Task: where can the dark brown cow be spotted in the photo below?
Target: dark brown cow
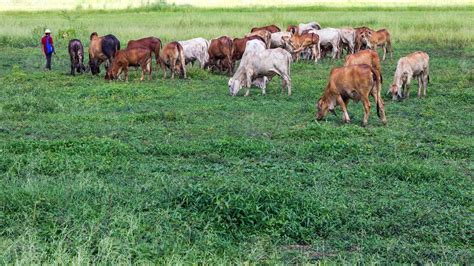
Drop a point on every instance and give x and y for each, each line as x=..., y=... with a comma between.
x=151, y=43
x=220, y=51
x=172, y=57
x=239, y=44
x=137, y=57
x=354, y=82
x=76, y=54
x=102, y=49
x=271, y=28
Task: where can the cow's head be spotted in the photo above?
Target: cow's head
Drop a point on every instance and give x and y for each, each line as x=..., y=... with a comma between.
x=396, y=92
x=234, y=86
x=366, y=37
x=322, y=108
x=94, y=66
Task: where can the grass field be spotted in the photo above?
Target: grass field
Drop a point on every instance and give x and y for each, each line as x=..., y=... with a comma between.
x=179, y=171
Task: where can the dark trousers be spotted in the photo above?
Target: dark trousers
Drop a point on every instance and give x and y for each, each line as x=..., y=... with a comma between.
x=48, y=60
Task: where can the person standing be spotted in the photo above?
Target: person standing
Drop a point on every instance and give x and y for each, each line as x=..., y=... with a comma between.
x=48, y=47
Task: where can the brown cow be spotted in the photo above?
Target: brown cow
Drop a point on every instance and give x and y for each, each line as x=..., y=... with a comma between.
x=264, y=34
x=151, y=43
x=239, y=44
x=299, y=43
x=130, y=57
x=368, y=57
x=271, y=28
x=292, y=28
x=102, y=49
x=172, y=56
x=354, y=82
x=220, y=51
x=381, y=38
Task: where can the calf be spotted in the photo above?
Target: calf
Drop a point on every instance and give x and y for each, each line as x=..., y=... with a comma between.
x=264, y=34
x=380, y=38
x=414, y=65
x=172, y=57
x=239, y=46
x=76, y=54
x=354, y=82
x=266, y=63
x=220, y=49
x=368, y=57
x=361, y=38
x=298, y=43
x=271, y=28
x=130, y=57
x=196, y=49
x=151, y=43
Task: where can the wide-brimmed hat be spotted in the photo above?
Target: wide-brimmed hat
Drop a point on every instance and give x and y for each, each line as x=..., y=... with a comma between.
x=47, y=31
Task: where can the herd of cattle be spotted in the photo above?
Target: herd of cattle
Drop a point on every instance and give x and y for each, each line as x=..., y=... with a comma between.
x=266, y=52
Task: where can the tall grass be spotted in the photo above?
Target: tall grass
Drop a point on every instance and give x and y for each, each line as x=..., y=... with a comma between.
x=446, y=26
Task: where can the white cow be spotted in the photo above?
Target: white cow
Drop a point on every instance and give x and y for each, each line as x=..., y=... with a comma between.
x=414, y=65
x=308, y=26
x=329, y=36
x=196, y=49
x=266, y=63
x=277, y=39
x=348, y=38
x=253, y=47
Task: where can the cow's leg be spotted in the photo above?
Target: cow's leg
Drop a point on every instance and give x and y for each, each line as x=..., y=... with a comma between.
x=335, y=51
x=125, y=72
x=384, y=48
x=314, y=53
x=163, y=68
x=425, y=83
x=345, y=115
x=172, y=67
x=407, y=91
x=366, y=103
x=149, y=69
x=420, y=84
x=286, y=82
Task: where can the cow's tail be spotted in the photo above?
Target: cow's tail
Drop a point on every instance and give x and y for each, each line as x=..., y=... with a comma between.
x=376, y=87
x=181, y=59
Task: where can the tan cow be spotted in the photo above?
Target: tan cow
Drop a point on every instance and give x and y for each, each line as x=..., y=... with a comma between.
x=380, y=38
x=354, y=82
x=264, y=34
x=298, y=43
x=368, y=57
x=414, y=65
x=172, y=56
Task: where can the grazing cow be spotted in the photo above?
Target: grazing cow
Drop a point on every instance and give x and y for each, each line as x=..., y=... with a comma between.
x=328, y=36
x=292, y=28
x=277, y=39
x=220, y=49
x=354, y=82
x=102, y=49
x=414, y=65
x=264, y=34
x=239, y=46
x=76, y=54
x=270, y=28
x=253, y=47
x=298, y=43
x=308, y=26
x=196, y=49
x=380, y=38
x=348, y=39
x=172, y=57
x=361, y=38
x=266, y=63
x=368, y=57
x=151, y=43
x=136, y=57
